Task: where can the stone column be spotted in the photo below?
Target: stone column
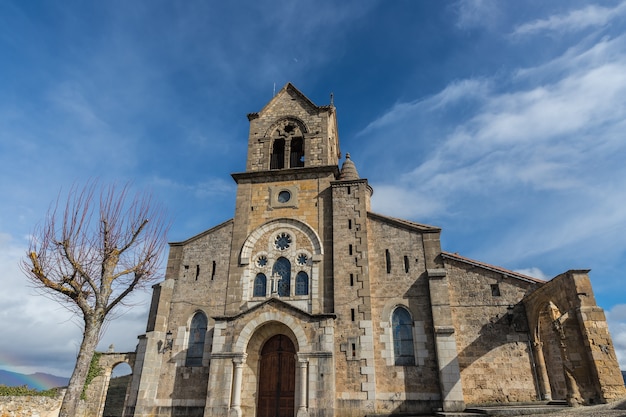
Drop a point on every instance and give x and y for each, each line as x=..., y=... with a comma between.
x=302, y=408
x=542, y=372
x=235, y=407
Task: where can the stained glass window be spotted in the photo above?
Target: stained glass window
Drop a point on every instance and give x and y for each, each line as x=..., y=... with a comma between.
x=302, y=283
x=260, y=285
x=402, y=326
x=282, y=268
x=197, y=333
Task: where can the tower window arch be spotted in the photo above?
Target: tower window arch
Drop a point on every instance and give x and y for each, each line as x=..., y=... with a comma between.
x=260, y=285
x=402, y=327
x=278, y=154
x=282, y=272
x=296, y=157
x=197, y=334
x=302, y=283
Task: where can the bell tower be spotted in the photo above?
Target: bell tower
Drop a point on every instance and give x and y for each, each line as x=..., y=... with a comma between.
x=292, y=132
x=283, y=215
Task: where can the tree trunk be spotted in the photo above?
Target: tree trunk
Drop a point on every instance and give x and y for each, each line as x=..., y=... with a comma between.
x=69, y=406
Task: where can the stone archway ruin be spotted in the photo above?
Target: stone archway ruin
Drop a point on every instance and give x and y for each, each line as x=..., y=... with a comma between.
x=572, y=348
x=96, y=393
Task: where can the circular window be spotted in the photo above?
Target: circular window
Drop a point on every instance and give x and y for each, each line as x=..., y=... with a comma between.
x=284, y=196
x=302, y=259
x=262, y=260
x=283, y=241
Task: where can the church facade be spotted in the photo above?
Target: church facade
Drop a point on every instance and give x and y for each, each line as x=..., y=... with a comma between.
x=308, y=304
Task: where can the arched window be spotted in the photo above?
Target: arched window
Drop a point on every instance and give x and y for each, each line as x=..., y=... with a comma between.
x=302, y=283
x=402, y=327
x=282, y=269
x=278, y=154
x=296, y=159
x=260, y=285
x=197, y=333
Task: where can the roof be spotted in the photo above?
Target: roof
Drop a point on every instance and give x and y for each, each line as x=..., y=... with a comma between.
x=290, y=87
x=493, y=268
x=201, y=234
x=277, y=302
x=404, y=223
x=348, y=170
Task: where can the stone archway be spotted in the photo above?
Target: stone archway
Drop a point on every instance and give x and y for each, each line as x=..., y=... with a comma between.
x=97, y=389
x=550, y=345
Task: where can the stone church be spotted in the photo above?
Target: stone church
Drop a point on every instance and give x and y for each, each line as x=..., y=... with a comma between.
x=307, y=303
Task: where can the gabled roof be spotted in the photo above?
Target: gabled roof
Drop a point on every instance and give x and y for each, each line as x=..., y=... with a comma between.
x=201, y=234
x=278, y=302
x=493, y=268
x=406, y=224
x=287, y=88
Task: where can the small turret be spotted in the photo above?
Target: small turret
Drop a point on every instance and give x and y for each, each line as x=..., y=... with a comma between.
x=348, y=170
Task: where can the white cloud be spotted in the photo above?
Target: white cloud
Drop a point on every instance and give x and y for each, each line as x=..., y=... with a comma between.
x=533, y=272
x=477, y=13
x=573, y=20
x=616, y=319
x=41, y=335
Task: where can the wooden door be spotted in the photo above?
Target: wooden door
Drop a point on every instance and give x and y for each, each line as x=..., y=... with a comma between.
x=277, y=378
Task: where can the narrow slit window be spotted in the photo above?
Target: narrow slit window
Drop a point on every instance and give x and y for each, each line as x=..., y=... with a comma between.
x=349, y=224
x=352, y=314
x=213, y=271
x=352, y=280
x=406, y=264
x=388, y=260
x=354, y=350
x=350, y=249
x=197, y=271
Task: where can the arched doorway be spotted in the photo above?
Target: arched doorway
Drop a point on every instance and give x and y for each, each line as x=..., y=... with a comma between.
x=277, y=378
x=551, y=350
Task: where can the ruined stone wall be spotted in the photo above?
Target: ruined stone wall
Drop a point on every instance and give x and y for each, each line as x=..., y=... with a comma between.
x=491, y=329
x=30, y=406
x=565, y=309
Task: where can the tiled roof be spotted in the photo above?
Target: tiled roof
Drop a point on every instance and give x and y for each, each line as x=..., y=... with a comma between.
x=507, y=272
x=404, y=223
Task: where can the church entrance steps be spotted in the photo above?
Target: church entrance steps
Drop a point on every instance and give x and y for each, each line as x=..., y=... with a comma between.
x=514, y=410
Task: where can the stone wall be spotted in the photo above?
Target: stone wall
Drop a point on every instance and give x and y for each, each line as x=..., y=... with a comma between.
x=495, y=356
x=30, y=406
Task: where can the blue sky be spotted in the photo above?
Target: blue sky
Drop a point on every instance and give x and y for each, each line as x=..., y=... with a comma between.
x=501, y=122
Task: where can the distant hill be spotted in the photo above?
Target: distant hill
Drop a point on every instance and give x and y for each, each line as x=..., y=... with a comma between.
x=39, y=381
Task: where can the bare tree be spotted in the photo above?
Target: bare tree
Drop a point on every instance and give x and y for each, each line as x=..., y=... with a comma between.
x=91, y=254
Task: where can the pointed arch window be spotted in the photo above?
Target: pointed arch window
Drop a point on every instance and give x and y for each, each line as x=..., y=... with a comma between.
x=282, y=271
x=278, y=154
x=302, y=283
x=197, y=333
x=260, y=285
x=402, y=327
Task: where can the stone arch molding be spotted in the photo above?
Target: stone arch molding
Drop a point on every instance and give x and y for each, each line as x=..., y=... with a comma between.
x=251, y=240
x=280, y=124
x=250, y=328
